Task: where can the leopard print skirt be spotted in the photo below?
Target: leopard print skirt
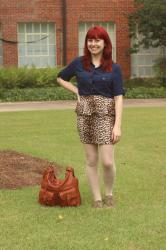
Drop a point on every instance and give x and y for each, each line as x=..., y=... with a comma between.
x=95, y=119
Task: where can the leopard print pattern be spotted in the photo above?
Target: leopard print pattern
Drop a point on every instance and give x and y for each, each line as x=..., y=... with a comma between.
x=95, y=119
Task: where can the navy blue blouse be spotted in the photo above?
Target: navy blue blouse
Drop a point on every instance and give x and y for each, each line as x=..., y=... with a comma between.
x=96, y=81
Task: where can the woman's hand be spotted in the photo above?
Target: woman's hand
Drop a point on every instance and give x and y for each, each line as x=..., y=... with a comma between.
x=116, y=134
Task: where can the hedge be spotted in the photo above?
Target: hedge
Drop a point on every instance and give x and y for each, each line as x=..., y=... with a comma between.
x=33, y=84
x=59, y=93
x=28, y=77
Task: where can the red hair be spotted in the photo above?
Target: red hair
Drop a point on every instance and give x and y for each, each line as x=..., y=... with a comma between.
x=98, y=32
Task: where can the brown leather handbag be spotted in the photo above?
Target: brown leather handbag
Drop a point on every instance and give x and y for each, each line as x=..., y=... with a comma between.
x=56, y=192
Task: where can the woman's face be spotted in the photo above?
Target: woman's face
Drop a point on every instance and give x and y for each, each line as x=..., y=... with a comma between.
x=95, y=46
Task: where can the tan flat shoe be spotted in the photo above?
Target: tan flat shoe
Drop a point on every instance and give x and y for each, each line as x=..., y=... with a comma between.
x=97, y=204
x=109, y=201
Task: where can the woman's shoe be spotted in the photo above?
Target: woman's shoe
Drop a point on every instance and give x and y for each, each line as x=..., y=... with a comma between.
x=109, y=201
x=97, y=204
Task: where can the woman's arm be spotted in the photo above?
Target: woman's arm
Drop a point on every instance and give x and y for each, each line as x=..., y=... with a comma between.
x=116, y=133
x=69, y=86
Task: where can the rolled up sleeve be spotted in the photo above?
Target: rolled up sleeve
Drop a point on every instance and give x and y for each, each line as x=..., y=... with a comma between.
x=117, y=81
x=69, y=71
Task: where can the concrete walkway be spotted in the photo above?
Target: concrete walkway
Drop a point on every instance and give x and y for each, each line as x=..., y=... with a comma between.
x=47, y=105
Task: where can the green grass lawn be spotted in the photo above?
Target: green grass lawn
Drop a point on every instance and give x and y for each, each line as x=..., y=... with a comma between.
x=137, y=222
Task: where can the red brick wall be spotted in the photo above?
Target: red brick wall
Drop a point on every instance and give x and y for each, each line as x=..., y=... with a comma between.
x=15, y=11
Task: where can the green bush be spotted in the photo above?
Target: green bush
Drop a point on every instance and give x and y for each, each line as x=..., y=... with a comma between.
x=8, y=78
x=33, y=84
x=152, y=82
x=36, y=94
x=143, y=92
x=28, y=77
x=59, y=93
x=46, y=77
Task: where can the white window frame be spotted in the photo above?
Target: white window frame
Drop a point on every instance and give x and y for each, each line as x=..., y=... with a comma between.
x=26, y=36
x=87, y=25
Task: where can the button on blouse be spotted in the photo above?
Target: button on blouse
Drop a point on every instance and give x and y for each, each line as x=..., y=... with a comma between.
x=96, y=81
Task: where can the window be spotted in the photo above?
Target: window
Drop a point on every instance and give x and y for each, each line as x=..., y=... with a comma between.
x=1, y=53
x=142, y=62
x=109, y=27
x=36, y=44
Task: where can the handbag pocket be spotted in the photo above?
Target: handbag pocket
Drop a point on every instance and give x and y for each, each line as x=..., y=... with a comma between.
x=68, y=197
x=47, y=197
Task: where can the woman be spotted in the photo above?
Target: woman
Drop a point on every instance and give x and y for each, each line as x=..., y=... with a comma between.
x=99, y=108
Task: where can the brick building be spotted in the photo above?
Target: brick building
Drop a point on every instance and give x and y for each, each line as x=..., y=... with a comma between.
x=52, y=32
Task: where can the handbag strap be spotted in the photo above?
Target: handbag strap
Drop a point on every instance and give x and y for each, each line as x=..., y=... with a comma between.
x=70, y=169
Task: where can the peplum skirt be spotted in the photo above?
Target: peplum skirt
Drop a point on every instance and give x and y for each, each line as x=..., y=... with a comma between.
x=95, y=119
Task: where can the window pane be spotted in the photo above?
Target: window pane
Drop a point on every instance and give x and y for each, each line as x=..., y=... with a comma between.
x=44, y=28
x=141, y=59
x=36, y=61
x=36, y=28
x=21, y=61
x=51, y=28
x=133, y=71
x=30, y=38
x=52, y=61
x=133, y=60
x=44, y=41
x=37, y=38
x=51, y=38
x=37, y=50
x=30, y=49
x=82, y=27
x=21, y=37
x=51, y=50
x=148, y=71
x=43, y=50
x=21, y=28
x=29, y=28
x=44, y=62
x=21, y=50
x=141, y=71
x=148, y=60
x=30, y=61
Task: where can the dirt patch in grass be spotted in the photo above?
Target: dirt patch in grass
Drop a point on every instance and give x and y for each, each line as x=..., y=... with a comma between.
x=18, y=170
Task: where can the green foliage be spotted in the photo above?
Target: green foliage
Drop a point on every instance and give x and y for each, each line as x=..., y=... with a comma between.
x=28, y=77
x=144, y=88
x=160, y=69
x=148, y=20
x=59, y=93
x=8, y=78
x=32, y=84
x=144, y=92
x=142, y=82
x=36, y=94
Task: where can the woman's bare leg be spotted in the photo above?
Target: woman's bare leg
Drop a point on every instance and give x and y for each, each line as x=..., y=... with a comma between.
x=91, y=153
x=109, y=170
